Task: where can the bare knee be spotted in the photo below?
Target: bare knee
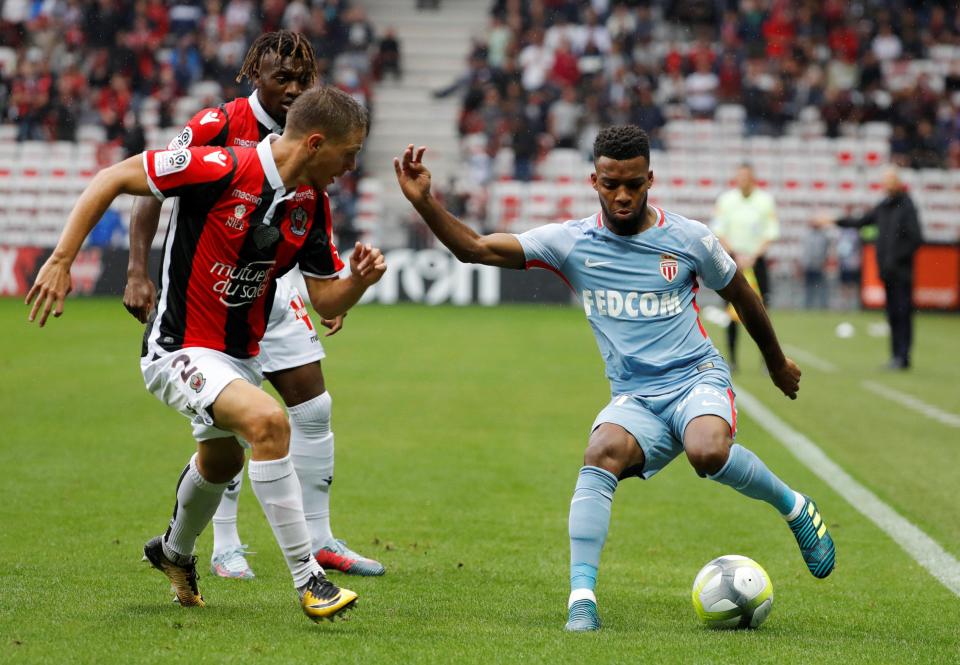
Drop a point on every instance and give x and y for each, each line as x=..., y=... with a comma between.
x=613, y=449
x=267, y=430
x=707, y=445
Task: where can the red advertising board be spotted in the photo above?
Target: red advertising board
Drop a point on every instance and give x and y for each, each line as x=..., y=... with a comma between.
x=936, y=278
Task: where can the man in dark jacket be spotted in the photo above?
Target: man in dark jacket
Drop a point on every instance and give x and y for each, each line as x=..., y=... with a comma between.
x=898, y=237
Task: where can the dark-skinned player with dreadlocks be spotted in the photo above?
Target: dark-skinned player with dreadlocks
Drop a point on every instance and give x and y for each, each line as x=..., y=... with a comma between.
x=280, y=66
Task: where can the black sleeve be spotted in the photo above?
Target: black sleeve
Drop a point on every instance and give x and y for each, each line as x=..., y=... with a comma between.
x=867, y=219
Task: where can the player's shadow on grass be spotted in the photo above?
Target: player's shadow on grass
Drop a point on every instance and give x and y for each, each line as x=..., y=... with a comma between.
x=188, y=618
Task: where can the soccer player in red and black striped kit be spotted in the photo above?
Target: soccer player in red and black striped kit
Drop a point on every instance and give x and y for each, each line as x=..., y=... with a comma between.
x=280, y=65
x=243, y=218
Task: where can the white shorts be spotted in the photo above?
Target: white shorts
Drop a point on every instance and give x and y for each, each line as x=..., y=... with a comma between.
x=291, y=339
x=191, y=379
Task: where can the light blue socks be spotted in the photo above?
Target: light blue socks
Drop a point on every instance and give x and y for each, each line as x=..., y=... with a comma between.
x=745, y=473
x=589, y=522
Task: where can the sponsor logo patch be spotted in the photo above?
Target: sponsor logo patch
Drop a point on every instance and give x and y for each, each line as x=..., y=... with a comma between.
x=669, y=267
x=219, y=157
x=166, y=162
x=182, y=140
x=298, y=221
x=197, y=381
x=630, y=304
x=240, y=211
x=246, y=196
x=590, y=263
x=237, y=286
x=210, y=116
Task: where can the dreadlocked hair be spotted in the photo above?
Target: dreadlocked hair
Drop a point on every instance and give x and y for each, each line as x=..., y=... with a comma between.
x=621, y=142
x=282, y=42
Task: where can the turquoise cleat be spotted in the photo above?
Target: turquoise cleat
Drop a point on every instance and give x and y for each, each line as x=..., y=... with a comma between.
x=814, y=540
x=582, y=617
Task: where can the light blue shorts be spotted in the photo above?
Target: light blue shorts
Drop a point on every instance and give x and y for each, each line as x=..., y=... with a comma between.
x=658, y=423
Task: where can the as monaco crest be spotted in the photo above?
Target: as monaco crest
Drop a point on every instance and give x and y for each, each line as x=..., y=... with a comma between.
x=298, y=221
x=669, y=267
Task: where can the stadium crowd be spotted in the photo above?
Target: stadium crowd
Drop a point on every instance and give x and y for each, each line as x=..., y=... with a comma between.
x=550, y=73
x=131, y=66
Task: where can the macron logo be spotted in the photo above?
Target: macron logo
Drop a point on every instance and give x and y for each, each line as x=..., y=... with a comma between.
x=596, y=264
x=218, y=158
x=210, y=116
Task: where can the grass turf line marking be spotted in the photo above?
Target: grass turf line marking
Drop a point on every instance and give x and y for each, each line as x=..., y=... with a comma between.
x=924, y=550
x=808, y=358
x=911, y=402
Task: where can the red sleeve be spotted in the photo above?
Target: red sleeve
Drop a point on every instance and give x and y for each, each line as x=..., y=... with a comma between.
x=173, y=172
x=208, y=127
x=319, y=256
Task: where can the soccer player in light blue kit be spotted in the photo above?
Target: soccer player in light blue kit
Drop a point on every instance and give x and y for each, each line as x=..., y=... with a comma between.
x=636, y=269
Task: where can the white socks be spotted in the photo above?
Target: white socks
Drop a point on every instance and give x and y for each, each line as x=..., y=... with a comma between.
x=225, y=535
x=197, y=500
x=311, y=449
x=797, y=507
x=276, y=486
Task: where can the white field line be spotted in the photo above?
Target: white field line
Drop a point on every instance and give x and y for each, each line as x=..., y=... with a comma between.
x=911, y=402
x=924, y=550
x=807, y=358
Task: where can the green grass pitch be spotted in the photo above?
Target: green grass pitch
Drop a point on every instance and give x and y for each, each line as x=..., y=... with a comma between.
x=459, y=436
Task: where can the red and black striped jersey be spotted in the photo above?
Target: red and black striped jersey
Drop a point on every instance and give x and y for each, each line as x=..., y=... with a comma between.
x=242, y=123
x=233, y=231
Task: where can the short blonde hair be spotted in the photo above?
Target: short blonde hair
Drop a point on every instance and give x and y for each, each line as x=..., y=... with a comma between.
x=328, y=110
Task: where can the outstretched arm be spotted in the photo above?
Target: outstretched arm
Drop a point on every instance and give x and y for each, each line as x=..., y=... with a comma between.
x=140, y=294
x=497, y=249
x=783, y=371
x=333, y=297
x=53, y=281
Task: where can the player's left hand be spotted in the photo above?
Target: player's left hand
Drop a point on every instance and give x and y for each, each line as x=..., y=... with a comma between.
x=50, y=289
x=367, y=264
x=787, y=378
x=334, y=324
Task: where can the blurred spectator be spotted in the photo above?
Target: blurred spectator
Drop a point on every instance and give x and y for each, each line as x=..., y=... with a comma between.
x=564, y=117
x=816, y=248
x=109, y=231
x=848, y=260
x=388, y=56
x=701, y=86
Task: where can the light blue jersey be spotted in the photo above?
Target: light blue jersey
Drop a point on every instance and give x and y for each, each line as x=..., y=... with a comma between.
x=639, y=295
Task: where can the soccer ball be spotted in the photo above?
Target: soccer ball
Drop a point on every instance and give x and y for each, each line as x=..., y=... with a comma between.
x=732, y=591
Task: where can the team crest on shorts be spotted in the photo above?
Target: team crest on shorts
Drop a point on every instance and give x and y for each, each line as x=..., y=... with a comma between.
x=669, y=267
x=298, y=221
x=197, y=382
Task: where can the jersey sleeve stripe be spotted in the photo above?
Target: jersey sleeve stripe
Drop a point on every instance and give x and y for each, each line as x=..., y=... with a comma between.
x=332, y=275
x=535, y=263
x=733, y=411
x=153, y=187
x=696, y=308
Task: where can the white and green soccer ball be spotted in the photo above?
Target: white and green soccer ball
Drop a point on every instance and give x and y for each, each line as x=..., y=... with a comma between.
x=732, y=591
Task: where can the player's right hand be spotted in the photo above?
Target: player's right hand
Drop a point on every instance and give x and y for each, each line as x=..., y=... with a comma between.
x=787, y=378
x=139, y=297
x=367, y=264
x=50, y=289
x=413, y=176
